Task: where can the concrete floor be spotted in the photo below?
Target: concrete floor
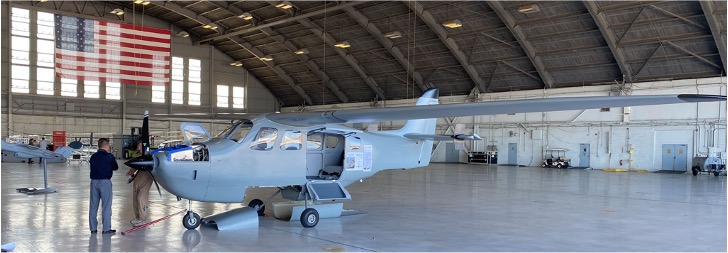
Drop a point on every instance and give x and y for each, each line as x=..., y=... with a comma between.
x=444, y=207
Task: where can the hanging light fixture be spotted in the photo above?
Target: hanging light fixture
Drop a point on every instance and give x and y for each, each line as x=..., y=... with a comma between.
x=529, y=8
x=183, y=34
x=236, y=64
x=284, y=5
x=118, y=12
x=453, y=23
x=246, y=16
x=266, y=58
x=301, y=51
x=342, y=44
x=393, y=34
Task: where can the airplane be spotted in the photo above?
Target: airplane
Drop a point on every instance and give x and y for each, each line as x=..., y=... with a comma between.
x=27, y=151
x=311, y=156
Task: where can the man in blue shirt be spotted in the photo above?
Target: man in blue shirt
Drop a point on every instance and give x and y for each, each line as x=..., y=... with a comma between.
x=103, y=164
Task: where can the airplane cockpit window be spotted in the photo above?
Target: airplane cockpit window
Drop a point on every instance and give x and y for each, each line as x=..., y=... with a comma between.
x=315, y=141
x=292, y=140
x=265, y=139
x=237, y=130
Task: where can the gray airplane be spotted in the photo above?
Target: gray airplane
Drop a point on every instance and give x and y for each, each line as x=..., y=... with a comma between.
x=313, y=157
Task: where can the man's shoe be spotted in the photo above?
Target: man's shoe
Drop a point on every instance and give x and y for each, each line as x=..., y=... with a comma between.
x=112, y=231
x=137, y=222
x=94, y=231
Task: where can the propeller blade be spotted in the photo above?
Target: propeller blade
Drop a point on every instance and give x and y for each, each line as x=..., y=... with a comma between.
x=145, y=163
x=144, y=138
x=155, y=183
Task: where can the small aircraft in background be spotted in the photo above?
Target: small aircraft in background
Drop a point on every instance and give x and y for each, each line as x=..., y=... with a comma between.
x=28, y=151
x=312, y=156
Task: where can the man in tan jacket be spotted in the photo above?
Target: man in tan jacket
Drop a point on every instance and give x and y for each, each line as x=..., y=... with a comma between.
x=142, y=183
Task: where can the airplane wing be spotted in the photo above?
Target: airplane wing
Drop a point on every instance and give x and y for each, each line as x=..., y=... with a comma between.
x=482, y=108
x=442, y=137
x=27, y=151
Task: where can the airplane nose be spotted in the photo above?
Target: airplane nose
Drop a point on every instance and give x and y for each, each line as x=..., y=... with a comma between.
x=144, y=163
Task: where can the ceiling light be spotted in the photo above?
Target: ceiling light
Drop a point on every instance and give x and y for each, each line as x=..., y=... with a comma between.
x=342, y=44
x=138, y=1
x=266, y=58
x=529, y=8
x=284, y=5
x=43, y=1
x=246, y=16
x=118, y=12
x=183, y=34
x=236, y=64
x=301, y=51
x=393, y=35
x=454, y=23
x=146, y=3
x=212, y=26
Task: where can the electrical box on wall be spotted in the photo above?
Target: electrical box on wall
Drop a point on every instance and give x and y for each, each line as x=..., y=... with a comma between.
x=536, y=134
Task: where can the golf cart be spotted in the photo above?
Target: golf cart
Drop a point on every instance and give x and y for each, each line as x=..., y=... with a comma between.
x=555, y=158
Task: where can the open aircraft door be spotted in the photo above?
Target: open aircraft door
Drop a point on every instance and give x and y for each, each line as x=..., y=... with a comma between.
x=193, y=132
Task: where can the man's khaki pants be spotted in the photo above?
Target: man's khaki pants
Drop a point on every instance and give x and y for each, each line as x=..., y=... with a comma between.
x=142, y=183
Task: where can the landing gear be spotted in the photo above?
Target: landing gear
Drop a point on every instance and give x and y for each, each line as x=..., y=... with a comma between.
x=309, y=218
x=696, y=169
x=258, y=205
x=191, y=220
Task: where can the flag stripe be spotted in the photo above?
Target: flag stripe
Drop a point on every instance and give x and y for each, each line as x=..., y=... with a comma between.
x=107, y=51
x=94, y=76
x=104, y=63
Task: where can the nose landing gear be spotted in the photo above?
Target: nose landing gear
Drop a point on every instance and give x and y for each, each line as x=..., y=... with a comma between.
x=191, y=220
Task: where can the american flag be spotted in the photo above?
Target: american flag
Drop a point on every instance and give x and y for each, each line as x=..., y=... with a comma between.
x=97, y=50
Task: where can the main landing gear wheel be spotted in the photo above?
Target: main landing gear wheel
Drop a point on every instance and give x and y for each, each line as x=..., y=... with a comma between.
x=257, y=204
x=191, y=220
x=309, y=218
x=695, y=170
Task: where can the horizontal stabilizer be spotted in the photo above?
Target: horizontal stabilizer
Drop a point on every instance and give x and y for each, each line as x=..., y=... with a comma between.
x=442, y=137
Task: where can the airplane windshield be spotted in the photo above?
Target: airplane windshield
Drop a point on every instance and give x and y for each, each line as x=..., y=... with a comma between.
x=237, y=130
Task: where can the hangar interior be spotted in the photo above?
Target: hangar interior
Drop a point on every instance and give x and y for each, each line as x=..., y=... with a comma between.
x=229, y=57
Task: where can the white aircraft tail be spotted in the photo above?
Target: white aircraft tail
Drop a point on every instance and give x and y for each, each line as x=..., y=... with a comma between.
x=422, y=126
x=64, y=151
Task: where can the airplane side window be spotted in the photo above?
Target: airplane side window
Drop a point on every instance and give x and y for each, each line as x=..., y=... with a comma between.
x=265, y=139
x=331, y=141
x=314, y=141
x=291, y=140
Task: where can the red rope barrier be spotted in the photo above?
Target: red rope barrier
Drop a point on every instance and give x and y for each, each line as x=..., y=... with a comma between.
x=151, y=222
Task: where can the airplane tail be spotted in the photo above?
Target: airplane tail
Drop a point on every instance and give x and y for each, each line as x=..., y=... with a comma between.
x=64, y=151
x=422, y=126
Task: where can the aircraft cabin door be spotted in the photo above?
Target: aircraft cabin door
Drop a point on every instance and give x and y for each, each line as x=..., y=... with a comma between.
x=314, y=154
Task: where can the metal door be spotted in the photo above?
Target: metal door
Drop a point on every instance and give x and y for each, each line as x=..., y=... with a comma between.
x=584, y=153
x=451, y=155
x=675, y=157
x=512, y=153
x=681, y=157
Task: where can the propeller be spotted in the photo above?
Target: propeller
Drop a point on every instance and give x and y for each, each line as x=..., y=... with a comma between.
x=145, y=162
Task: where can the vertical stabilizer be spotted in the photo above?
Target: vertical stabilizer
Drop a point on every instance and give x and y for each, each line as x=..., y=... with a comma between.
x=423, y=126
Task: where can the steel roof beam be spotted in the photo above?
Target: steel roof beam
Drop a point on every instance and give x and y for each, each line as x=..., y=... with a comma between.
x=517, y=32
x=283, y=21
x=677, y=16
x=249, y=47
x=425, y=16
x=389, y=45
x=232, y=9
x=611, y=39
x=328, y=39
x=715, y=29
x=693, y=54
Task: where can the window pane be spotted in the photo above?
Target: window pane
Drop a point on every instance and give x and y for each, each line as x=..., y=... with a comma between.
x=177, y=86
x=158, y=93
x=20, y=72
x=315, y=141
x=21, y=28
x=238, y=95
x=68, y=87
x=20, y=57
x=178, y=61
x=45, y=75
x=21, y=43
x=194, y=76
x=265, y=139
x=195, y=64
x=45, y=60
x=45, y=25
x=194, y=99
x=177, y=98
x=194, y=88
x=45, y=88
x=91, y=89
x=222, y=96
x=113, y=90
x=20, y=86
x=292, y=140
x=177, y=73
x=46, y=46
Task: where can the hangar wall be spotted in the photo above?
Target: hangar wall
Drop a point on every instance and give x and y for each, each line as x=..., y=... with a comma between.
x=610, y=136
x=41, y=114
